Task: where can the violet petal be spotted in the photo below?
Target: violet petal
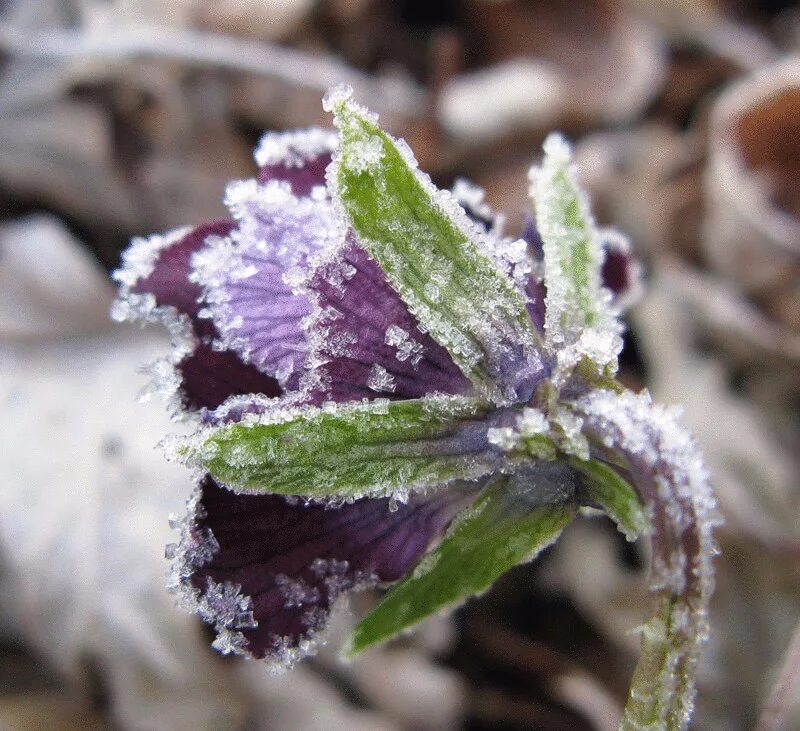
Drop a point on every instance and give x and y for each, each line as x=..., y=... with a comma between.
x=156, y=286
x=247, y=279
x=622, y=271
x=265, y=572
x=298, y=158
x=372, y=345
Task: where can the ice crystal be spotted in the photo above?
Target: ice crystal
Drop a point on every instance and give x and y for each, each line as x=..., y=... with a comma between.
x=668, y=468
x=480, y=333
x=380, y=379
x=296, y=592
x=407, y=348
x=294, y=149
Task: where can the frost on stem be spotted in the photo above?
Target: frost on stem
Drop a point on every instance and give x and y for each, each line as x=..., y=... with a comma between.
x=668, y=470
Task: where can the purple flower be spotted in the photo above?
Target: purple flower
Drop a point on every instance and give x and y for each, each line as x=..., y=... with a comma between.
x=389, y=389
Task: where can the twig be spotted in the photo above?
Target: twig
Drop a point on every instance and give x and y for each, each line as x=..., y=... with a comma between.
x=213, y=49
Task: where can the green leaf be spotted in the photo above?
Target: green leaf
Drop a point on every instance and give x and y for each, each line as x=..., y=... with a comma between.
x=350, y=450
x=504, y=527
x=432, y=255
x=606, y=487
x=578, y=310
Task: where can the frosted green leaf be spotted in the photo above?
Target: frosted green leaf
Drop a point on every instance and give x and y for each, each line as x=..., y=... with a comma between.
x=579, y=321
x=505, y=526
x=432, y=255
x=349, y=451
x=604, y=485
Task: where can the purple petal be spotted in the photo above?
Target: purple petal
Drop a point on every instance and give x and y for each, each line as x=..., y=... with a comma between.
x=210, y=377
x=535, y=292
x=265, y=572
x=155, y=286
x=530, y=235
x=169, y=280
x=534, y=283
x=621, y=272
x=247, y=279
x=371, y=344
x=298, y=158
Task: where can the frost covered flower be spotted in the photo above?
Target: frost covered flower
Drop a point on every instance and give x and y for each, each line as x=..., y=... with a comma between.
x=388, y=389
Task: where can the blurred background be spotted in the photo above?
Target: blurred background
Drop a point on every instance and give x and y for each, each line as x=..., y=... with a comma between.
x=124, y=117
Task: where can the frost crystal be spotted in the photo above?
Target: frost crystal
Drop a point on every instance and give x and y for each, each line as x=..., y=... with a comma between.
x=668, y=468
x=472, y=198
x=407, y=348
x=138, y=263
x=296, y=591
x=433, y=255
x=380, y=379
x=139, y=259
x=250, y=284
x=294, y=149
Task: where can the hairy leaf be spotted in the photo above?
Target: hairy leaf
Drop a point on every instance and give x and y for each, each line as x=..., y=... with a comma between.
x=433, y=257
x=606, y=487
x=511, y=522
x=578, y=309
x=351, y=450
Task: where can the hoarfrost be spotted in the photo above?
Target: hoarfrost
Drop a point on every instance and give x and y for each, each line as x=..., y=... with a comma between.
x=253, y=280
x=668, y=467
x=567, y=432
x=507, y=438
x=407, y=348
x=229, y=642
x=322, y=567
x=379, y=379
x=532, y=422
x=537, y=436
x=490, y=337
x=296, y=591
x=138, y=263
x=221, y=605
x=294, y=148
x=365, y=155
x=139, y=259
x=472, y=198
x=426, y=565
